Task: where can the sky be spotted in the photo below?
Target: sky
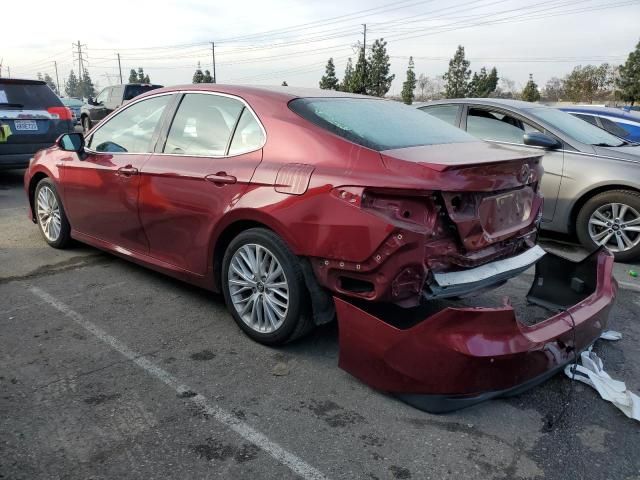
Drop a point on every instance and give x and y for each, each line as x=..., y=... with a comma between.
x=268, y=42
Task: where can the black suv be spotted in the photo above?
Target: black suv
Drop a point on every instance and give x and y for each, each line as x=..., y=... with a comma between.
x=32, y=117
x=109, y=99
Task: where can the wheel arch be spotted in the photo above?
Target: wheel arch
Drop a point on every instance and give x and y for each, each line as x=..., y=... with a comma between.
x=586, y=196
x=33, y=183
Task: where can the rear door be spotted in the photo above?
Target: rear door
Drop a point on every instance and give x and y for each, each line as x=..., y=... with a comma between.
x=101, y=190
x=212, y=147
x=506, y=127
x=31, y=117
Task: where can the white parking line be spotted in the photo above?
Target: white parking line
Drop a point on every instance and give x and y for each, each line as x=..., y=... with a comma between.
x=247, y=432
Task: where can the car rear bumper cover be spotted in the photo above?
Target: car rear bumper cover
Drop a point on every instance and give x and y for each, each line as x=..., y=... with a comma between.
x=461, y=356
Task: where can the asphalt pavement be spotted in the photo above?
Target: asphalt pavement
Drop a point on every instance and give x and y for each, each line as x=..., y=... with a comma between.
x=109, y=370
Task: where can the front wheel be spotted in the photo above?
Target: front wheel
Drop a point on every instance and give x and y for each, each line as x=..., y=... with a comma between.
x=612, y=219
x=264, y=288
x=50, y=215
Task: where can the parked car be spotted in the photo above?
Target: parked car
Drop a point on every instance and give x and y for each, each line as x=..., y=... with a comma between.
x=616, y=121
x=592, y=178
x=75, y=105
x=300, y=203
x=108, y=100
x=31, y=118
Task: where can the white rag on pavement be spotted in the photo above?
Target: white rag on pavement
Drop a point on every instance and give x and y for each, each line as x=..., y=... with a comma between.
x=592, y=373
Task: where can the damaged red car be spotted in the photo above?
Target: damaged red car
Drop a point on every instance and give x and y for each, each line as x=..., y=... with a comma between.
x=303, y=205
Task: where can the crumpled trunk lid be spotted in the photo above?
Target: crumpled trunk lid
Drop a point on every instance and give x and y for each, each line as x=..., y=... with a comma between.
x=489, y=192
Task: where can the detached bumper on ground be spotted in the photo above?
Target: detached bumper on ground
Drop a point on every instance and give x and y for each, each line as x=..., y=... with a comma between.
x=457, y=357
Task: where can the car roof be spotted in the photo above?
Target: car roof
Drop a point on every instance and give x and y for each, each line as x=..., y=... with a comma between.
x=611, y=111
x=21, y=81
x=496, y=102
x=275, y=92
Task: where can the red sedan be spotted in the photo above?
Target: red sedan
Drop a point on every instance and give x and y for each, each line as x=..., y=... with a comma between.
x=298, y=204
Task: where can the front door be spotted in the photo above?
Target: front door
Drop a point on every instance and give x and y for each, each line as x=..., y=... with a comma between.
x=101, y=190
x=500, y=126
x=212, y=148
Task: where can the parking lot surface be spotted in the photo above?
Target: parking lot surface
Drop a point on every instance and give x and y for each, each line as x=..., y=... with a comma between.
x=109, y=370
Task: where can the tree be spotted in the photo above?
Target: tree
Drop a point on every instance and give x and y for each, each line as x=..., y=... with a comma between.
x=71, y=88
x=49, y=81
x=628, y=82
x=409, y=84
x=198, y=76
x=86, y=87
x=360, y=75
x=530, y=93
x=589, y=82
x=285, y=84
x=133, y=76
x=379, y=79
x=423, y=82
x=553, y=90
x=329, y=81
x=207, y=78
x=347, y=79
x=483, y=84
x=457, y=77
x=506, y=89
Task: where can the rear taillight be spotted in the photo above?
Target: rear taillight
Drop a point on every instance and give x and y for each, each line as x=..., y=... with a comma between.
x=60, y=113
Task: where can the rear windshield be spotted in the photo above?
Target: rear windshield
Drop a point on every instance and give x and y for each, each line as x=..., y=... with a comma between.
x=378, y=124
x=27, y=96
x=133, y=91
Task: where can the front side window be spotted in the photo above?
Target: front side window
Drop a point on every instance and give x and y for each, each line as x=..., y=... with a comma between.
x=377, y=124
x=131, y=131
x=495, y=125
x=203, y=125
x=446, y=113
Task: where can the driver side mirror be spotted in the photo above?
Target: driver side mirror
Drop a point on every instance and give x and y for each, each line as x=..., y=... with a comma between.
x=538, y=139
x=71, y=142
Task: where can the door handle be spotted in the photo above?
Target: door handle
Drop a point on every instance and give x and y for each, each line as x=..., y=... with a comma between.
x=127, y=171
x=221, y=178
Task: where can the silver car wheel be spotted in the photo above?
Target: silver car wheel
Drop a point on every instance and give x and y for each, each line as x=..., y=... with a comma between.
x=616, y=226
x=48, y=212
x=258, y=288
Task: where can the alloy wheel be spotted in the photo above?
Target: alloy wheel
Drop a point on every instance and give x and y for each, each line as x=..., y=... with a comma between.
x=48, y=212
x=616, y=226
x=258, y=288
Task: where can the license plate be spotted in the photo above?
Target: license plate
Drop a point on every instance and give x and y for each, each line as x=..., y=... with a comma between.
x=23, y=125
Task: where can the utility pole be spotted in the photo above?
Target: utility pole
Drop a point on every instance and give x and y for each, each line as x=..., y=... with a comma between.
x=1, y=59
x=119, y=68
x=79, y=60
x=9, y=71
x=55, y=65
x=364, y=60
x=213, y=58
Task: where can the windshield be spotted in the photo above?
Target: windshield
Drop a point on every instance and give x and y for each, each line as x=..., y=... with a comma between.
x=575, y=128
x=378, y=124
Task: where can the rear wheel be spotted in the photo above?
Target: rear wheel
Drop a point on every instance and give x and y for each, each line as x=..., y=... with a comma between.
x=50, y=215
x=264, y=288
x=86, y=124
x=612, y=219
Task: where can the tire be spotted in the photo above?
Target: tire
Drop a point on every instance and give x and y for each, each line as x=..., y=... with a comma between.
x=50, y=215
x=86, y=124
x=264, y=319
x=597, y=221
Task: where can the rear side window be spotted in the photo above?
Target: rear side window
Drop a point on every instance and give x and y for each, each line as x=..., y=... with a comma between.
x=377, y=124
x=495, y=125
x=614, y=128
x=27, y=96
x=446, y=113
x=203, y=125
x=248, y=135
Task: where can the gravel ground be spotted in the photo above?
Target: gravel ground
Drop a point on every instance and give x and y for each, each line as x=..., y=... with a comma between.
x=109, y=370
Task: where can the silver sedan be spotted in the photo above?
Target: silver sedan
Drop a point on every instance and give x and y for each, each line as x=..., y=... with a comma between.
x=591, y=183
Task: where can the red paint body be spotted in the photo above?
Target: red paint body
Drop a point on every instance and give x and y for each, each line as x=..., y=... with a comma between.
x=386, y=219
